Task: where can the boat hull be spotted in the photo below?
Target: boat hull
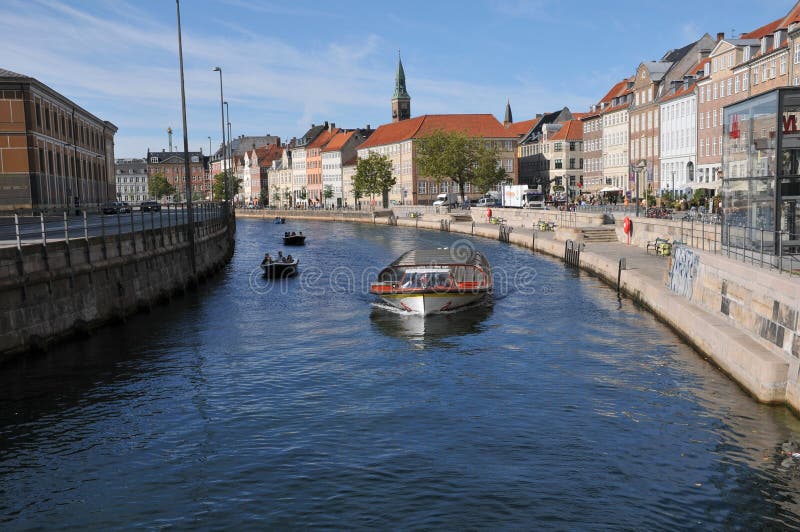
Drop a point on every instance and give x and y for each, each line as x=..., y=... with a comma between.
x=278, y=270
x=295, y=240
x=433, y=302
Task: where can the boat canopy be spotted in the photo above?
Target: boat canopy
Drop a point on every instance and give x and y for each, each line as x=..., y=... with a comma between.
x=441, y=257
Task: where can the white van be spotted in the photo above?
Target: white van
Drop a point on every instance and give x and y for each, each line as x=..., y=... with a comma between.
x=446, y=199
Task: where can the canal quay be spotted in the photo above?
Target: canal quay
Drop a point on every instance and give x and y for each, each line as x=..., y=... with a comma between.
x=302, y=403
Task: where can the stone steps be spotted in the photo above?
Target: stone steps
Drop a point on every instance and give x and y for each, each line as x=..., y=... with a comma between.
x=599, y=234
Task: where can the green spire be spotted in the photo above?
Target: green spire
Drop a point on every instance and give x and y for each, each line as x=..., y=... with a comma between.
x=400, y=92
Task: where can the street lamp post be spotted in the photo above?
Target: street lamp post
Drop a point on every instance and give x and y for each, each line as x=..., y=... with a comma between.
x=639, y=167
x=230, y=150
x=189, y=219
x=672, y=197
x=222, y=116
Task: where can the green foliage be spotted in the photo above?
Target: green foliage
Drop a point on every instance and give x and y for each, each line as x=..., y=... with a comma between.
x=486, y=173
x=234, y=185
x=327, y=192
x=452, y=155
x=276, y=195
x=374, y=176
x=303, y=194
x=263, y=196
x=158, y=186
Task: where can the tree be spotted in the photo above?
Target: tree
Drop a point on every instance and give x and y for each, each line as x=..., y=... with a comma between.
x=374, y=176
x=263, y=196
x=447, y=155
x=219, y=187
x=486, y=173
x=158, y=186
x=327, y=192
x=276, y=195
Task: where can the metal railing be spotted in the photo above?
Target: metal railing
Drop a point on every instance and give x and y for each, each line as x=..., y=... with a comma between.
x=21, y=230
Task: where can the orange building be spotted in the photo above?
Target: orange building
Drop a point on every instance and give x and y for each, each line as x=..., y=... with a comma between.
x=53, y=153
x=314, y=163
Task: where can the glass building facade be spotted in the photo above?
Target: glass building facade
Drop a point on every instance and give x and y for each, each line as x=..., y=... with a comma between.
x=761, y=178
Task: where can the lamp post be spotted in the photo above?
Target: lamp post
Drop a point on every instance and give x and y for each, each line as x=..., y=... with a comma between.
x=672, y=197
x=222, y=122
x=230, y=151
x=190, y=221
x=639, y=167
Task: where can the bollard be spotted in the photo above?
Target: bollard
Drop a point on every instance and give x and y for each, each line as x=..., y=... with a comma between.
x=44, y=232
x=66, y=228
x=85, y=227
x=16, y=229
x=623, y=264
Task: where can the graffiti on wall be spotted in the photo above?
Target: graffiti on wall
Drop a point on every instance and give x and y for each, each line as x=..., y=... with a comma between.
x=683, y=271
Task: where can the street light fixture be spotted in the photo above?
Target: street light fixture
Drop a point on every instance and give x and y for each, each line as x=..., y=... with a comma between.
x=189, y=219
x=639, y=167
x=222, y=122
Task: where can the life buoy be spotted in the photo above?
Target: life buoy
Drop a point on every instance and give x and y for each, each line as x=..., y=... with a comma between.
x=626, y=225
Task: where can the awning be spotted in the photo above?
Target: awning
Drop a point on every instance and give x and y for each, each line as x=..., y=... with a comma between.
x=611, y=189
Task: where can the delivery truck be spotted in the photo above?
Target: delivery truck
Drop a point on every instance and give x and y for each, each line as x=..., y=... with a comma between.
x=523, y=197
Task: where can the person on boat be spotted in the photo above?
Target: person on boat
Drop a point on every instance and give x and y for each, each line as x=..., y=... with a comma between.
x=281, y=258
x=294, y=234
x=301, y=233
x=410, y=281
x=289, y=258
x=267, y=259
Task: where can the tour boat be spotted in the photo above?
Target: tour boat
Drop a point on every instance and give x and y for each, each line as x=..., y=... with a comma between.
x=427, y=281
x=292, y=239
x=280, y=269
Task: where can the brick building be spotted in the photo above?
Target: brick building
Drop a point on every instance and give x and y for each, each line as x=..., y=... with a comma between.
x=171, y=165
x=53, y=153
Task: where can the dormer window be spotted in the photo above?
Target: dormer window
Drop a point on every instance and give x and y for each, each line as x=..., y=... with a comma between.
x=746, y=53
x=195, y=159
x=153, y=159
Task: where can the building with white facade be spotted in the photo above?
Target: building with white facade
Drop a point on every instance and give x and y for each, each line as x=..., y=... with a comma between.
x=279, y=179
x=132, y=180
x=342, y=147
x=678, y=139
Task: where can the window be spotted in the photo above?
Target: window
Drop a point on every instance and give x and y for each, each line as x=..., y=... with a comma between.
x=783, y=65
x=764, y=73
x=572, y=164
x=772, y=69
x=559, y=163
x=745, y=79
x=571, y=146
x=755, y=76
x=47, y=119
x=558, y=146
x=38, y=114
x=715, y=91
x=153, y=159
x=736, y=84
x=702, y=93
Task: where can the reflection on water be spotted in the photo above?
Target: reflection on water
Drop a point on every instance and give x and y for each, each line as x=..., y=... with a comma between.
x=429, y=330
x=299, y=404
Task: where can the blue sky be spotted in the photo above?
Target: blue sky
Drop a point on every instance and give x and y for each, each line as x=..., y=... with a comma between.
x=287, y=65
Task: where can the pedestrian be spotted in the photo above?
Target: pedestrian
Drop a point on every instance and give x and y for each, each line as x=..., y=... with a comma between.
x=489, y=214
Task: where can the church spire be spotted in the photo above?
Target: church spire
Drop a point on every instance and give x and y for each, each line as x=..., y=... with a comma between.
x=508, y=119
x=400, y=80
x=401, y=101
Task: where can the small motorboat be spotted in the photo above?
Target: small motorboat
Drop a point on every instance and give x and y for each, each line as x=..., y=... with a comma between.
x=293, y=239
x=280, y=220
x=429, y=281
x=281, y=268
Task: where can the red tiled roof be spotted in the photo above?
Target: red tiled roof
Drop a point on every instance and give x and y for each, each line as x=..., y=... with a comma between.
x=267, y=154
x=322, y=139
x=766, y=29
x=578, y=116
x=520, y=128
x=792, y=16
x=572, y=130
x=678, y=93
x=338, y=140
x=615, y=90
x=477, y=125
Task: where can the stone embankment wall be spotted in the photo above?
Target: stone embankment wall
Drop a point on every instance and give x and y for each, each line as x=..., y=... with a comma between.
x=745, y=318
x=50, y=292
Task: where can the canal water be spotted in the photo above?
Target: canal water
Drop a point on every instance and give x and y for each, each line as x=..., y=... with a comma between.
x=302, y=404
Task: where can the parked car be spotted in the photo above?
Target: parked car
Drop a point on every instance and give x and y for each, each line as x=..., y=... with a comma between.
x=150, y=206
x=487, y=202
x=116, y=207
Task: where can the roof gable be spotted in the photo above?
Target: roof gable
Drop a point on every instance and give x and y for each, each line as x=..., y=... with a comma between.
x=339, y=140
x=571, y=130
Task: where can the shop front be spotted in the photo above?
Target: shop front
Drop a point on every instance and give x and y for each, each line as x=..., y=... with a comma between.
x=761, y=174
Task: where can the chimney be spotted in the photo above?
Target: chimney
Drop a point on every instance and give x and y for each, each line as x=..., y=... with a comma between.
x=720, y=36
x=326, y=124
x=369, y=127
